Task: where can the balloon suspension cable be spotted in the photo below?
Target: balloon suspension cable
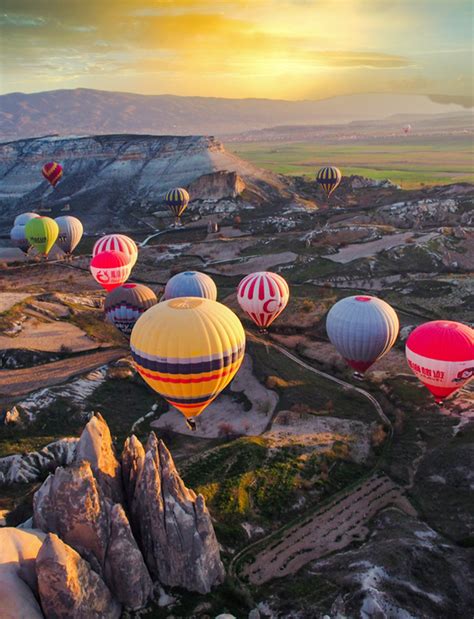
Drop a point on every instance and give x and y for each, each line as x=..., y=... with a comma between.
x=191, y=424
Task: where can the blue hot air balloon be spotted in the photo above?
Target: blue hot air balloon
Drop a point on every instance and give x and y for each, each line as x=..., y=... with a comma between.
x=362, y=329
x=190, y=284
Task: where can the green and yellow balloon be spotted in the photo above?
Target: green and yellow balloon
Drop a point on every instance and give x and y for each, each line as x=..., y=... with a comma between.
x=41, y=233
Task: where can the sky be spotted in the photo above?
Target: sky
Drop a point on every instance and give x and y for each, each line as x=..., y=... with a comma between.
x=279, y=49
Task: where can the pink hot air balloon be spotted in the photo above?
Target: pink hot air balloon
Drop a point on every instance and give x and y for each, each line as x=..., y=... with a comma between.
x=117, y=242
x=441, y=354
x=110, y=269
x=263, y=296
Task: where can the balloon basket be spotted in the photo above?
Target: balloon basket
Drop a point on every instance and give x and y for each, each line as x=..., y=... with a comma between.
x=358, y=376
x=263, y=331
x=191, y=424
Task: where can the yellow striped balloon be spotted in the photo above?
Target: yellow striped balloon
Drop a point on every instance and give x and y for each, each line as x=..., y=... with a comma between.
x=177, y=201
x=329, y=179
x=188, y=350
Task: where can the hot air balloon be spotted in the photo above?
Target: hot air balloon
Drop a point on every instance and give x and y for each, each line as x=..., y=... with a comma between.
x=188, y=350
x=117, y=242
x=52, y=172
x=177, y=201
x=18, y=238
x=406, y=129
x=110, y=269
x=24, y=218
x=263, y=296
x=70, y=233
x=441, y=354
x=191, y=284
x=125, y=304
x=329, y=179
x=42, y=232
x=362, y=329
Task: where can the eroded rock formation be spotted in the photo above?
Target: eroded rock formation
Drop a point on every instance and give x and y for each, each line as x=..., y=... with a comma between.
x=95, y=446
x=18, y=551
x=71, y=504
x=174, y=525
x=68, y=587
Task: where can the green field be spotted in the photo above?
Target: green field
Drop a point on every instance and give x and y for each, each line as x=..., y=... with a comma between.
x=411, y=163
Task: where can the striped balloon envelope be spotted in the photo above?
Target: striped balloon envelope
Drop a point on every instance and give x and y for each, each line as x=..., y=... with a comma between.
x=41, y=233
x=125, y=304
x=329, y=179
x=441, y=354
x=362, y=329
x=70, y=233
x=177, y=201
x=52, y=172
x=263, y=296
x=110, y=269
x=117, y=242
x=18, y=238
x=191, y=284
x=188, y=350
x=24, y=218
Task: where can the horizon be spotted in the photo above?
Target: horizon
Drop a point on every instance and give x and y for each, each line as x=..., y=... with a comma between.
x=291, y=50
x=467, y=101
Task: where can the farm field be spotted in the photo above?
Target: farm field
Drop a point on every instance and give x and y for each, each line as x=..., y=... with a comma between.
x=411, y=162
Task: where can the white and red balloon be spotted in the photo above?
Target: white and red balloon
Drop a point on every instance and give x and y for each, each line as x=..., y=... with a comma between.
x=117, y=242
x=263, y=296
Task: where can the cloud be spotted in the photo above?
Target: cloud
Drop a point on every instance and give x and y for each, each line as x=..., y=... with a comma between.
x=279, y=48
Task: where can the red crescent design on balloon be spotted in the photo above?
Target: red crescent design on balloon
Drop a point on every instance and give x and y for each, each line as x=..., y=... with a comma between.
x=266, y=306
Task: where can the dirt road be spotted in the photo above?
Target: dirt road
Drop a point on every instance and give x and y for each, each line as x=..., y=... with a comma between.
x=14, y=383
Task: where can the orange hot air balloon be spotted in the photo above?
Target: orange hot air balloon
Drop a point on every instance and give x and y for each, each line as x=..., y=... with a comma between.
x=110, y=269
x=441, y=354
x=52, y=172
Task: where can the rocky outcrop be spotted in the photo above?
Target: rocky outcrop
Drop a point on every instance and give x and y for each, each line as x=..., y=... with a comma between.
x=443, y=487
x=404, y=569
x=133, y=457
x=33, y=466
x=216, y=186
x=125, y=570
x=95, y=447
x=113, y=175
x=175, y=528
x=72, y=504
x=18, y=551
x=68, y=587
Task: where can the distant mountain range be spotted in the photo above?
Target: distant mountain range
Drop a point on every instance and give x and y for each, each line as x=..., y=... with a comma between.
x=91, y=112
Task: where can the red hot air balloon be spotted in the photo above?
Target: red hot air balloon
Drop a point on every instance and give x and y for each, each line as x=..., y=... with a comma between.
x=263, y=296
x=110, y=269
x=52, y=172
x=441, y=354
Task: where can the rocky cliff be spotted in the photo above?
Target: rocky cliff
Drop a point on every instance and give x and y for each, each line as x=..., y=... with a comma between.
x=68, y=587
x=174, y=525
x=109, y=178
x=94, y=558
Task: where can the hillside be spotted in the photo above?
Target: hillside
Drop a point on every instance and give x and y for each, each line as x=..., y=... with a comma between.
x=107, y=177
x=86, y=111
